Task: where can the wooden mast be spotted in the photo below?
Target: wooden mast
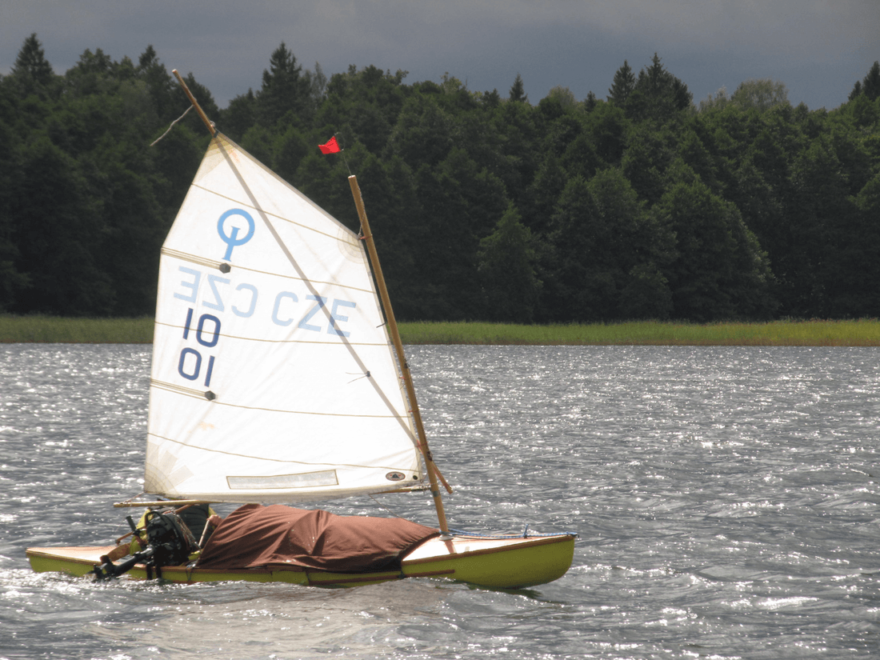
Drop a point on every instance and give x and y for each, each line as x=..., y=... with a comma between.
x=433, y=472
x=192, y=99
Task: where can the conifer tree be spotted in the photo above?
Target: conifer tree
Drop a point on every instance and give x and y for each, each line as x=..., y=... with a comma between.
x=162, y=87
x=622, y=86
x=31, y=68
x=856, y=91
x=286, y=89
x=871, y=82
x=658, y=94
x=517, y=91
x=590, y=102
x=507, y=270
x=869, y=85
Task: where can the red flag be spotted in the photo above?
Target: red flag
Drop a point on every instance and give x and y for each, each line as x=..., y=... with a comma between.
x=331, y=147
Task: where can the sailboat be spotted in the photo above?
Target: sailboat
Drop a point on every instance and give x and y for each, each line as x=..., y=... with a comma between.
x=278, y=376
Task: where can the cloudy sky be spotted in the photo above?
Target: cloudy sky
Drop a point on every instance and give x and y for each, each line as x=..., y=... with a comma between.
x=818, y=48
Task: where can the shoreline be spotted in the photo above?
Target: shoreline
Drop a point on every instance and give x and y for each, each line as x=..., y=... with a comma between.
x=865, y=332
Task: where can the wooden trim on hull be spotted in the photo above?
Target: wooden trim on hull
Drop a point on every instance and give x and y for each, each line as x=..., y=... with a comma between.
x=500, y=563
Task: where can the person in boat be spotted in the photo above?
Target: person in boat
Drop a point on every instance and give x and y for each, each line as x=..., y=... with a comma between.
x=196, y=517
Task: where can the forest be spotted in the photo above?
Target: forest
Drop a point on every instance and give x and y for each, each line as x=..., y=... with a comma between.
x=645, y=204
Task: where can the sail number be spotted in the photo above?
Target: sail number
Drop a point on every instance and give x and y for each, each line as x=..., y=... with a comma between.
x=245, y=303
x=242, y=302
x=207, y=334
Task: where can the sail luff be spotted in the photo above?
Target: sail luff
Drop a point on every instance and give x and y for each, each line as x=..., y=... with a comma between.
x=398, y=346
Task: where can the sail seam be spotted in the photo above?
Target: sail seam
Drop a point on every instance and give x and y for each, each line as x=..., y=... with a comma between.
x=278, y=341
x=183, y=256
x=274, y=215
x=217, y=402
x=305, y=412
x=279, y=460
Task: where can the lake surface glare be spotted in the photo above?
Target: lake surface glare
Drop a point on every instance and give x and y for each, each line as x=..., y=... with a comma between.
x=726, y=501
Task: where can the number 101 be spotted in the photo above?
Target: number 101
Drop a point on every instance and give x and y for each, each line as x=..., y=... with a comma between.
x=192, y=367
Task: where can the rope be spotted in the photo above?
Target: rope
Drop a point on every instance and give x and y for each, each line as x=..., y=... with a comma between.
x=338, y=137
x=172, y=126
x=382, y=506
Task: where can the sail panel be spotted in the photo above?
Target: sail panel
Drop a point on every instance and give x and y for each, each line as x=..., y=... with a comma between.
x=271, y=360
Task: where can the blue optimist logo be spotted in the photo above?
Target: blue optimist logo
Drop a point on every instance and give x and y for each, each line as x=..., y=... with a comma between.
x=231, y=239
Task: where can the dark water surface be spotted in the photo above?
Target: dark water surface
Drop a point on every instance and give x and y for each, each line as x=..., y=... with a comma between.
x=726, y=501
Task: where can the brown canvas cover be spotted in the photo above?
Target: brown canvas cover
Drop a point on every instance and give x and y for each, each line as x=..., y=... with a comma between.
x=254, y=536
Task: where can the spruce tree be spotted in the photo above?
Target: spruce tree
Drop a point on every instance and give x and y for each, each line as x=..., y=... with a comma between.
x=517, y=91
x=622, y=86
x=31, y=68
x=658, y=94
x=871, y=82
x=285, y=89
x=507, y=271
x=590, y=102
x=869, y=85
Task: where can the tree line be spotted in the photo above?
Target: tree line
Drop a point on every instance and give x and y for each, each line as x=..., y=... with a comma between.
x=641, y=205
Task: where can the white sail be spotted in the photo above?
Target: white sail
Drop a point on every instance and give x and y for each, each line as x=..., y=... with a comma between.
x=273, y=377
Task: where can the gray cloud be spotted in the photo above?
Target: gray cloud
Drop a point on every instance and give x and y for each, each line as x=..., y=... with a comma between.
x=818, y=48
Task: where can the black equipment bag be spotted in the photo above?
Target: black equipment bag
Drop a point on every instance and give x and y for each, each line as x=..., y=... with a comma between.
x=171, y=539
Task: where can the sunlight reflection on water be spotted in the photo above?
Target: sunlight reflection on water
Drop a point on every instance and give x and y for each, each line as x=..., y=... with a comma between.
x=726, y=500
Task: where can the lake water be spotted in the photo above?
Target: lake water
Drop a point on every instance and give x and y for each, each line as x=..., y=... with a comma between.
x=726, y=501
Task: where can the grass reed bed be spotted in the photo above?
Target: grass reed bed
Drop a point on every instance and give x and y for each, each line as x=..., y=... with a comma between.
x=48, y=329
x=58, y=330
x=776, y=333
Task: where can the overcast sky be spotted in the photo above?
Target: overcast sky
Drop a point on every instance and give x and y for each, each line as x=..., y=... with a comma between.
x=818, y=48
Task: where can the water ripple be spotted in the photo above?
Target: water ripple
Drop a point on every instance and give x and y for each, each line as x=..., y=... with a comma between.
x=726, y=499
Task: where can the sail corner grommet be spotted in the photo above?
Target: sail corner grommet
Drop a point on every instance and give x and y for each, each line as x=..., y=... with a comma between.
x=210, y=396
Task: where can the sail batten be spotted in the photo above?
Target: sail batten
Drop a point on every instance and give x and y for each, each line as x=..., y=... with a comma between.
x=282, y=358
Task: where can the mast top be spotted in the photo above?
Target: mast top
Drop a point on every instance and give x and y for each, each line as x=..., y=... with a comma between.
x=192, y=99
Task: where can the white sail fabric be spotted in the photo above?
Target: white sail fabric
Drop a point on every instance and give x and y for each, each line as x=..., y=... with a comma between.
x=273, y=377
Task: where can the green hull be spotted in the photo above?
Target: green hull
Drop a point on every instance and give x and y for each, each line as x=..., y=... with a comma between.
x=489, y=562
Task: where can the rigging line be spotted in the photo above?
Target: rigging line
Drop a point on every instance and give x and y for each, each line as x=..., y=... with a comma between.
x=172, y=125
x=264, y=216
x=342, y=151
x=361, y=377
x=382, y=506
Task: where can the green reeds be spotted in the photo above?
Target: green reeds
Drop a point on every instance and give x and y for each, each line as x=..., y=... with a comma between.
x=47, y=329
x=57, y=330
x=776, y=333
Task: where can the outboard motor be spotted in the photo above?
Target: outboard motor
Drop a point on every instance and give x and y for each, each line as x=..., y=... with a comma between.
x=169, y=543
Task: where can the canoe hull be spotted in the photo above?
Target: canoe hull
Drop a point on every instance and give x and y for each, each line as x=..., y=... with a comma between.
x=506, y=563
